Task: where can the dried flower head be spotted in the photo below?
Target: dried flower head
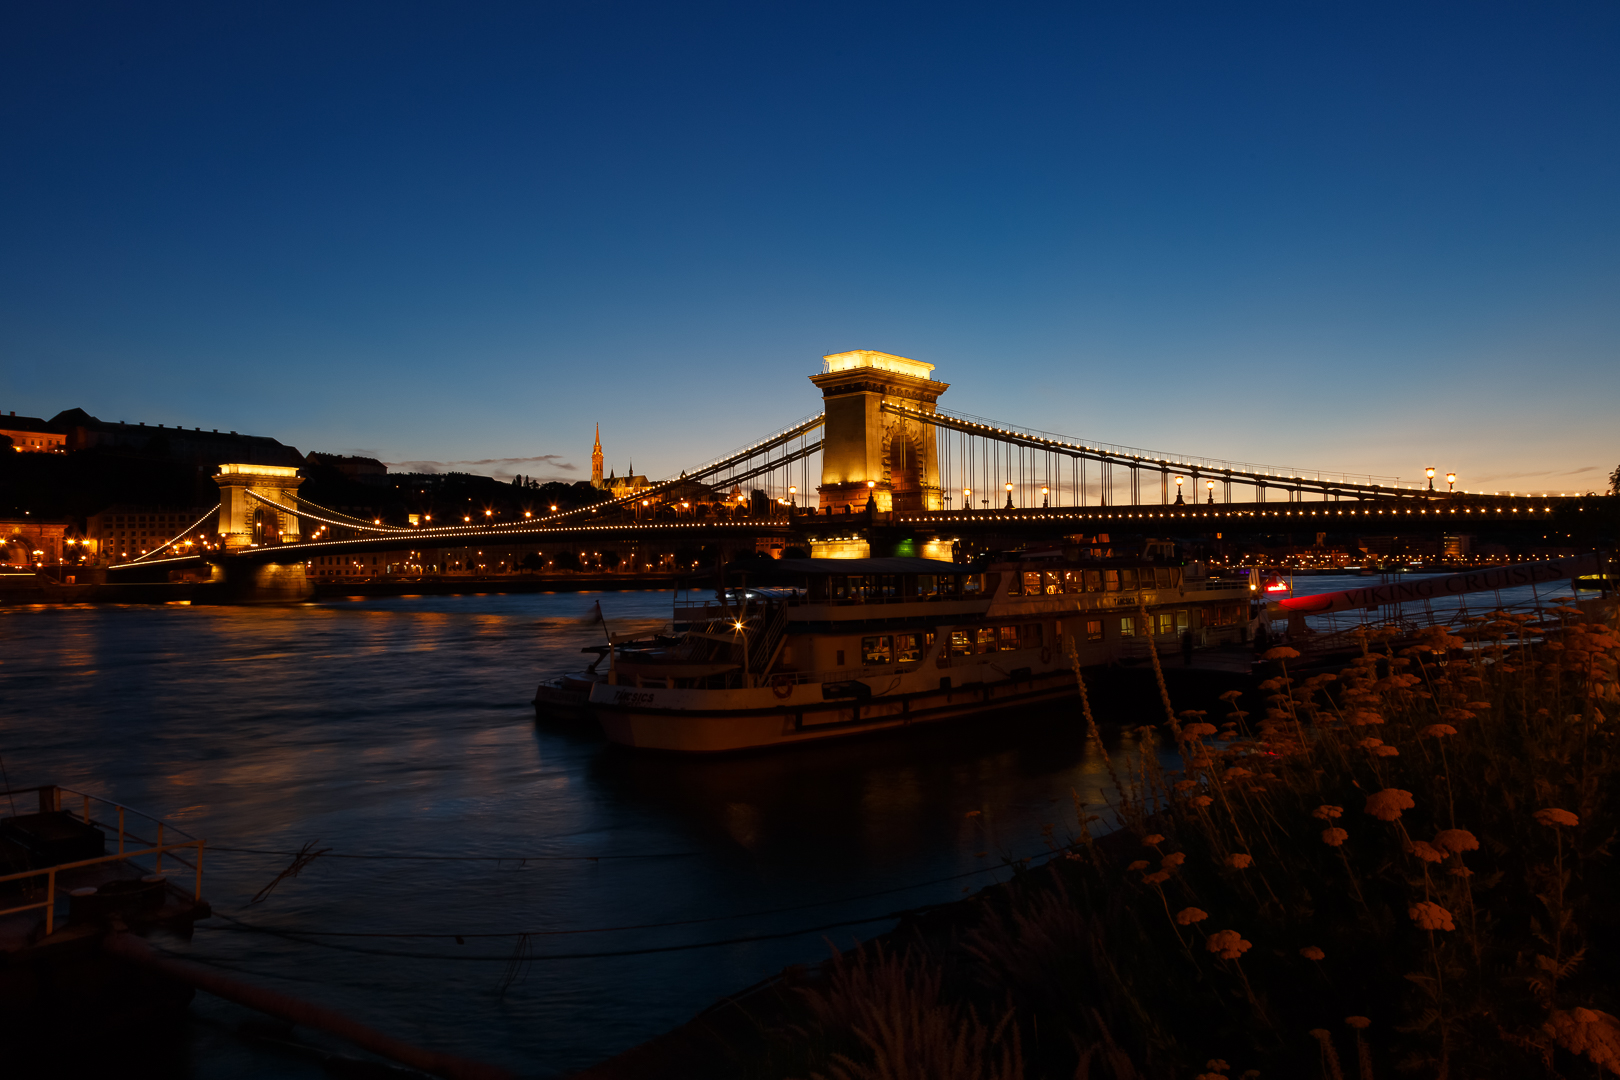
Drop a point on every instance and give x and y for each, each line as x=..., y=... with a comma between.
x=1217, y=1065
x=1198, y=730
x=1456, y=841
x=1311, y=952
x=1358, y=1022
x=1240, y=861
x=1437, y=731
x=1231, y=695
x=1387, y=751
x=1158, y=877
x=1280, y=652
x=1334, y=837
x=1139, y=864
x=1172, y=860
x=1386, y=805
x=1430, y=916
x=1229, y=944
x=1152, y=839
x=1201, y=801
x=1185, y=785
x=1328, y=813
x=1427, y=852
x=1554, y=816
x=1587, y=1031
x=1188, y=916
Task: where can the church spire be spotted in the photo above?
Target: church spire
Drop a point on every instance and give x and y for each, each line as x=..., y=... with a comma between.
x=596, y=458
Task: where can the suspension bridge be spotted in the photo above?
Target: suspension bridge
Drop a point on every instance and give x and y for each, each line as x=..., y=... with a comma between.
x=880, y=468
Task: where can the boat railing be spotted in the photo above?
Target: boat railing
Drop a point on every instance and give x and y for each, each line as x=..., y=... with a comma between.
x=124, y=823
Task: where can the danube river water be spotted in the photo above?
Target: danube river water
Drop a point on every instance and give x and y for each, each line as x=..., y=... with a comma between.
x=402, y=727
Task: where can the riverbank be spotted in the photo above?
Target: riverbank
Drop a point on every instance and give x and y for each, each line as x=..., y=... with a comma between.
x=31, y=590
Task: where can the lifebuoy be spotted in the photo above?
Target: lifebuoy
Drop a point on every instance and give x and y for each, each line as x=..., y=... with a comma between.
x=1046, y=654
x=782, y=685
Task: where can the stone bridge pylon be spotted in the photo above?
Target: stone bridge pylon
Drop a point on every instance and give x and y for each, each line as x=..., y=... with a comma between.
x=247, y=521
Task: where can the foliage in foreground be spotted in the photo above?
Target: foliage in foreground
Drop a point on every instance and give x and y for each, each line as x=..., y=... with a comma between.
x=1399, y=870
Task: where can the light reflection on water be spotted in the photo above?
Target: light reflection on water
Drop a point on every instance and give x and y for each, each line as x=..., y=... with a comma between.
x=402, y=726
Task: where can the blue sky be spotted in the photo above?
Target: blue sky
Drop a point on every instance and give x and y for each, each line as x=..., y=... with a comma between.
x=1367, y=237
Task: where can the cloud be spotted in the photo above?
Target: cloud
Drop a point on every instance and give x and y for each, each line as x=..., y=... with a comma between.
x=503, y=468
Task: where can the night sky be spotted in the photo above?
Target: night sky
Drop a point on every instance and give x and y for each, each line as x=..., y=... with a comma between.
x=1346, y=236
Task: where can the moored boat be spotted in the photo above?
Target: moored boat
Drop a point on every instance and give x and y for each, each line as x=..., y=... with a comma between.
x=870, y=644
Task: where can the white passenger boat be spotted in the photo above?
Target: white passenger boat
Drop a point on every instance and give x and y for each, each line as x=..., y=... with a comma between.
x=869, y=644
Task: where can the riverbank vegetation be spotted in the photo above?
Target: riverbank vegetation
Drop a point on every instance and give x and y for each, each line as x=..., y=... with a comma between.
x=1401, y=869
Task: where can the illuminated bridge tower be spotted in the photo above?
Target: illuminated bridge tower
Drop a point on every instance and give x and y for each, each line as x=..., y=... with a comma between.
x=868, y=452
x=245, y=521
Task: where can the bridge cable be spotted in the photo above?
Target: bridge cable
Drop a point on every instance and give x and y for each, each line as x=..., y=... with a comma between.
x=177, y=536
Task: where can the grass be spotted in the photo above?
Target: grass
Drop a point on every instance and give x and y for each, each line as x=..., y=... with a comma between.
x=1402, y=869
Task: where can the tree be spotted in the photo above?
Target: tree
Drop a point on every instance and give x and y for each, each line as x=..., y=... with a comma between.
x=1614, y=481
x=566, y=560
x=610, y=559
x=533, y=561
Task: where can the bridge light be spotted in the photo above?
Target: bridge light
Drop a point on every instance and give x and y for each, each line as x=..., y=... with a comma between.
x=1451, y=481
x=1429, y=472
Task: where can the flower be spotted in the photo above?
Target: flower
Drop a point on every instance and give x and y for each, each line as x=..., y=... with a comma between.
x=1231, y=695
x=1202, y=801
x=1172, y=860
x=1430, y=916
x=1158, y=877
x=1239, y=861
x=1281, y=652
x=1456, y=841
x=1188, y=916
x=1427, y=852
x=1185, y=785
x=1139, y=864
x=1387, y=751
x=1198, y=730
x=1228, y=943
x=1328, y=813
x=1435, y=731
x=1358, y=1022
x=1460, y=871
x=1588, y=1031
x=1554, y=816
x=1237, y=772
x=1152, y=839
x=1311, y=952
x=1386, y=805
x=1334, y=837
x=1370, y=743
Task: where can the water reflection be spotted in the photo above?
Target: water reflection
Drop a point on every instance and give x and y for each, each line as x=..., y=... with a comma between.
x=401, y=727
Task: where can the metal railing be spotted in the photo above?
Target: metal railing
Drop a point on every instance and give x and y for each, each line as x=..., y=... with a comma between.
x=50, y=801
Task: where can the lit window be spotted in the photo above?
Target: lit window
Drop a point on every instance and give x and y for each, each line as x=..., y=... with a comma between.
x=961, y=643
x=1094, y=630
x=1127, y=626
x=1009, y=637
x=985, y=640
x=877, y=650
x=1111, y=580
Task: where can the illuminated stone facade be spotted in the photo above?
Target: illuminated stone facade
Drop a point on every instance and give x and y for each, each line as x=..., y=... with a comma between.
x=869, y=453
x=245, y=521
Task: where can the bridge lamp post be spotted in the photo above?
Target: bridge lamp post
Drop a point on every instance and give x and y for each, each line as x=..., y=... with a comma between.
x=1451, y=482
x=793, y=496
x=1210, y=484
x=1179, y=500
x=967, y=498
x=1009, y=505
x=1429, y=472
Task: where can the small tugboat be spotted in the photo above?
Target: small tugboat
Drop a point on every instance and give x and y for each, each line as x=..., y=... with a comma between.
x=869, y=644
x=567, y=698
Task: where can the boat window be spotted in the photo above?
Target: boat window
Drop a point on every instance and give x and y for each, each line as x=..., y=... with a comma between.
x=1127, y=580
x=1111, y=580
x=839, y=662
x=1167, y=622
x=1181, y=620
x=1053, y=582
x=1093, y=581
x=1168, y=576
x=907, y=648
x=961, y=643
x=1074, y=581
x=1009, y=638
x=985, y=640
x=975, y=583
x=1032, y=583
x=925, y=585
x=1094, y=630
x=1127, y=626
x=1031, y=635
x=949, y=585
x=877, y=650
x=838, y=586
x=1015, y=587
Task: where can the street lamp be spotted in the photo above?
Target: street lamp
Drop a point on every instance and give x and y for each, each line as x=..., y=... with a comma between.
x=1429, y=472
x=1009, y=505
x=1179, y=481
x=1210, y=484
x=1046, y=499
x=1451, y=481
x=793, y=495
